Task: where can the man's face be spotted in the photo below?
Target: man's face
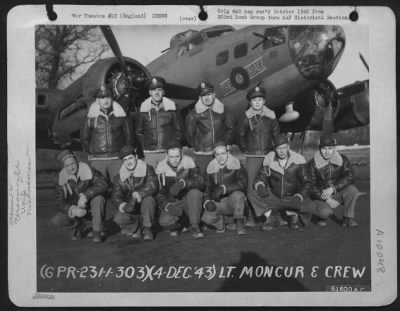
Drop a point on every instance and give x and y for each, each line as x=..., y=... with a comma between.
x=71, y=165
x=327, y=152
x=105, y=102
x=257, y=103
x=174, y=157
x=130, y=162
x=282, y=151
x=221, y=154
x=157, y=94
x=208, y=99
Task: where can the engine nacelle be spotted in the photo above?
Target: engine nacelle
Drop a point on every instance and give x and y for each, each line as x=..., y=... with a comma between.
x=350, y=106
x=128, y=90
x=311, y=104
x=353, y=106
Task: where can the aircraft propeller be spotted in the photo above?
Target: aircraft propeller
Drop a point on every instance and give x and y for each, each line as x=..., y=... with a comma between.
x=364, y=61
x=129, y=80
x=109, y=35
x=137, y=82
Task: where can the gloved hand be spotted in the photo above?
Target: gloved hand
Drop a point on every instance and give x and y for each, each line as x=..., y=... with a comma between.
x=82, y=200
x=75, y=211
x=174, y=208
x=137, y=196
x=210, y=206
x=327, y=193
x=176, y=188
x=262, y=191
x=129, y=207
x=217, y=193
x=332, y=203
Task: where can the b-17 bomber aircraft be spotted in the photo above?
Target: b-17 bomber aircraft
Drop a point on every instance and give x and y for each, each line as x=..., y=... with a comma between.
x=293, y=63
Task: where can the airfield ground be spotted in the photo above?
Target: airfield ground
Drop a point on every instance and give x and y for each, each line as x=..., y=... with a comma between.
x=341, y=255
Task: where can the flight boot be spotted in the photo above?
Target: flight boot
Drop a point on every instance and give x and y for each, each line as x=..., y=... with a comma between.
x=349, y=223
x=240, y=228
x=294, y=222
x=147, y=234
x=196, y=232
x=97, y=237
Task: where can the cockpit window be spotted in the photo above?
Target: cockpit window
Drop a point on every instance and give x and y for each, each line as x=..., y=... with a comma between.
x=190, y=44
x=316, y=50
x=217, y=33
x=276, y=35
x=183, y=49
x=197, y=40
x=240, y=50
x=222, y=58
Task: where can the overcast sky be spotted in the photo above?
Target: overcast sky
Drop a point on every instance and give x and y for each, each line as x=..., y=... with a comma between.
x=145, y=43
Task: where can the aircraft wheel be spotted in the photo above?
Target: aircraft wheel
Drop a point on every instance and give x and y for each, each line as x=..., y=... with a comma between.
x=240, y=78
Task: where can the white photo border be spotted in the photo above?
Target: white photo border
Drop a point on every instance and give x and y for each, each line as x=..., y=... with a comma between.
x=21, y=158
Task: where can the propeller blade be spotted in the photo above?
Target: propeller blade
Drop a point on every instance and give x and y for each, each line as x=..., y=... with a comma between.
x=364, y=61
x=112, y=41
x=180, y=91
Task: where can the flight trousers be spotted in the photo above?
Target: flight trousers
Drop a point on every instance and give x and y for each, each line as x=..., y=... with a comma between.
x=143, y=213
x=190, y=205
x=232, y=205
x=348, y=197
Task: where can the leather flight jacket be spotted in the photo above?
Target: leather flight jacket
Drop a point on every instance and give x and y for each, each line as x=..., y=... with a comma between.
x=206, y=126
x=103, y=135
x=87, y=181
x=233, y=177
x=285, y=181
x=257, y=131
x=142, y=180
x=168, y=176
x=337, y=173
x=156, y=127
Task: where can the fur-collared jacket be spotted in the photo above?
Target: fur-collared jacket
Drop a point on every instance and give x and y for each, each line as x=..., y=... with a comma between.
x=103, y=135
x=167, y=176
x=337, y=172
x=285, y=181
x=257, y=131
x=156, y=127
x=206, y=126
x=88, y=181
x=142, y=180
x=232, y=177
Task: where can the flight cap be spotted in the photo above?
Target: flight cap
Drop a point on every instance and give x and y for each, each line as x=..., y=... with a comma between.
x=156, y=82
x=205, y=88
x=256, y=92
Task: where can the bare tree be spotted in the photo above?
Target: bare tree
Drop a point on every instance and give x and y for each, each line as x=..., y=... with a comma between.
x=64, y=52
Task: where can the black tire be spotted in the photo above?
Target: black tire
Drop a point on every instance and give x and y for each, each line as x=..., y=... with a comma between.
x=239, y=78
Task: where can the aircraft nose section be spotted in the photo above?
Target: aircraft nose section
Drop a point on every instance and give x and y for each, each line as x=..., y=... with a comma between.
x=316, y=50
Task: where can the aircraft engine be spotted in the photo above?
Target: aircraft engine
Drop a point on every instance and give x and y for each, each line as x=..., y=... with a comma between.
x=128, y=88
x=353, y=106
x=311, y=105
x=350, y=107
x=128, y=85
